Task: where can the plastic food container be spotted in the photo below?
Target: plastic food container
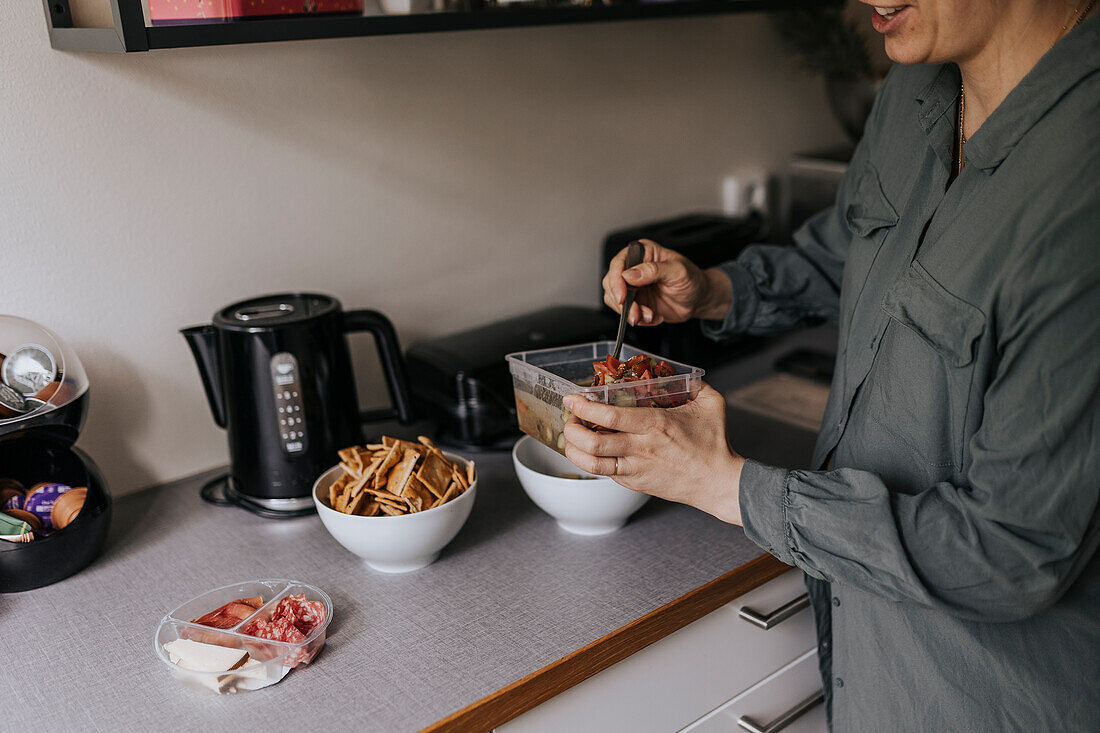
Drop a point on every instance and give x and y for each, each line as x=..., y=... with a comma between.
x=276, y=658
x=542, y=378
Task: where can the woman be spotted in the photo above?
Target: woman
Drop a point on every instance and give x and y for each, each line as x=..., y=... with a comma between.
x=949, y=534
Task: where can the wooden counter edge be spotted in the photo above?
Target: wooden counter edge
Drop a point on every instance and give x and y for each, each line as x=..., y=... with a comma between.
x=557, y=677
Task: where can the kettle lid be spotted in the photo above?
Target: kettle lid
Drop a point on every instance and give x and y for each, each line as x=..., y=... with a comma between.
x=275, y=311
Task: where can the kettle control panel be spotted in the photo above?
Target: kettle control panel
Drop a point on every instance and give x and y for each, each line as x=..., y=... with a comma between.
x=288, y=402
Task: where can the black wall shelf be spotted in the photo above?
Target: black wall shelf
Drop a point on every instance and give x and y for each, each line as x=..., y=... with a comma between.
x=131, y=34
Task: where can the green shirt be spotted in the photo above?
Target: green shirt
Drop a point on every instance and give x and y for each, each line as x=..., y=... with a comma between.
x=958, y=526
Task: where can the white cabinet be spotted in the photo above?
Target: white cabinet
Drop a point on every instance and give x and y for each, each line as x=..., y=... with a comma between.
x=678, y=680
x=792, y=692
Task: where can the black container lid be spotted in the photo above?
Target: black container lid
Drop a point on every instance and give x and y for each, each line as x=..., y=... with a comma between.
x=42, y=382
x=279, y=310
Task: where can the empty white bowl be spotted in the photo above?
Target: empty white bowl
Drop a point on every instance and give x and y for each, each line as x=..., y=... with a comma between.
x=580, y=502
x=395, y=544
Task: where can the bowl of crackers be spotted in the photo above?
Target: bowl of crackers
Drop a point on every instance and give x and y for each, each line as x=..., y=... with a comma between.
x=396, y=503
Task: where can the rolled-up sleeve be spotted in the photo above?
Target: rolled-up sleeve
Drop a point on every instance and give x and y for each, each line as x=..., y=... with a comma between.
x=776, y=288
x=1010, y=541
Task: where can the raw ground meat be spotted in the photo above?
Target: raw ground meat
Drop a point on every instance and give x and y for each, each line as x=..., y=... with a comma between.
x=279, y=628
x=293, y=620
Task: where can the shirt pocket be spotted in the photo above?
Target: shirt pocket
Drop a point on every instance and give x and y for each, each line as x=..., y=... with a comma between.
x=869, y=212
x=930, y=345
x=869, y=217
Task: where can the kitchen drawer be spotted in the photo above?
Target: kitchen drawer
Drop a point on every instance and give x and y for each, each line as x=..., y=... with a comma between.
x=685, y=675
x=770, y=699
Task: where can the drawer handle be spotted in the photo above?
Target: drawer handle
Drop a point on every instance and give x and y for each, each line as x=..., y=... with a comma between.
x=783, y=720
x=777, y=616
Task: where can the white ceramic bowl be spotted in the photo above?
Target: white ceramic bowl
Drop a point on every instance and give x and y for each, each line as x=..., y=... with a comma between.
x=395, y=544
x=590, y=505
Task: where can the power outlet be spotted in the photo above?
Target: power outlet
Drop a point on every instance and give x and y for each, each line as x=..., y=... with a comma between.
x=745, y=192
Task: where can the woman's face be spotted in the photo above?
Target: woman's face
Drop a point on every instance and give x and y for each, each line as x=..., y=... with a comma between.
x=934, y=31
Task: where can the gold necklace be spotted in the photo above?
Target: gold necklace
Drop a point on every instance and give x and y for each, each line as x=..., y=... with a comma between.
x=1078, y=16
x=962, y=138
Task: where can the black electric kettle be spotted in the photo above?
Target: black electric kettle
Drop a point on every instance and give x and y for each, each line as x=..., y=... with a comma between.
x=278, y=376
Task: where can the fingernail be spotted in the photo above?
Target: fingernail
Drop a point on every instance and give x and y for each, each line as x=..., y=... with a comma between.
x=631, y=274
x=647, y=316
x=568, y=402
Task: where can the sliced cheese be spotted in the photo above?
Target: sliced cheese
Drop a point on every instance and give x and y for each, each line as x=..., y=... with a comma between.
x=201, y=657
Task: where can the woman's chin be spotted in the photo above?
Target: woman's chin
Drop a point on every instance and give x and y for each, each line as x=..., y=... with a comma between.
x=902, y=52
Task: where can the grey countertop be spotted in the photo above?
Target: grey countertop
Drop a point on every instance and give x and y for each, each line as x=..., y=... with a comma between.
x=511, y=594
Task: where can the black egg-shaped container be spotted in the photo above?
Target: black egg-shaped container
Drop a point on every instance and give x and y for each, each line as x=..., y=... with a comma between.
x=36, y=445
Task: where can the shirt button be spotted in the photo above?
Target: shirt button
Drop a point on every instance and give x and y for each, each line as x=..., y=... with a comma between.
x=836, y=601
x=839, y=682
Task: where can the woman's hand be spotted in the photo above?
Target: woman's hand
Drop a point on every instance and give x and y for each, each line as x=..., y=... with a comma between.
x=670, y=288
x=677, y=453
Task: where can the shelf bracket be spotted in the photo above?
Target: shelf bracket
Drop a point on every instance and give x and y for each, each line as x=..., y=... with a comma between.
x=128, y=34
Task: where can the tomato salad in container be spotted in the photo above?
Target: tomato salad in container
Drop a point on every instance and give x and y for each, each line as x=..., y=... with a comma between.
x=542, y=378
x=244, y=636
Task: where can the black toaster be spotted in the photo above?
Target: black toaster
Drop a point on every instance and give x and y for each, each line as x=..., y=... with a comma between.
x=462, y=382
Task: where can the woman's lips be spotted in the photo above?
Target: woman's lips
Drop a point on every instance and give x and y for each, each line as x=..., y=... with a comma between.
x=887, y=18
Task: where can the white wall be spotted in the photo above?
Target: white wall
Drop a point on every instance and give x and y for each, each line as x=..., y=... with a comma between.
x=444, y=179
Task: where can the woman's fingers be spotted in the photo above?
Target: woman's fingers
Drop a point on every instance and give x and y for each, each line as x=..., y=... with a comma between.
x=601, y=466
x=610, y=302
x=647, y=273
x=596, y=443
x=614, y=285
x=613, y=282
x=621, y=419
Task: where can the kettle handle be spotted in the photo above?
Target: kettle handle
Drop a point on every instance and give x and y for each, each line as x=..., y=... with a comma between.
x=393, y=366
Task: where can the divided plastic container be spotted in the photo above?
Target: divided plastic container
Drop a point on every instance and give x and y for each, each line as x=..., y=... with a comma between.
x=276, y=657
x=542, y=378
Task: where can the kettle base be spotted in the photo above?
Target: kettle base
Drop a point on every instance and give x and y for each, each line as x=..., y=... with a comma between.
x=220, y=491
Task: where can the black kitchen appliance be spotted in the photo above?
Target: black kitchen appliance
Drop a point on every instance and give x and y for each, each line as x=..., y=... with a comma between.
x=462, y=380
x=278, y=377
x=707, y=240
x=43, y=403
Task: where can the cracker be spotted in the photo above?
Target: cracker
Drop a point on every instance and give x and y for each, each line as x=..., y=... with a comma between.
x=383, y=478
x=461, y=479
x=383, y=495
x=418, y=495
x=452, y=491
x=401, y=473
x=417, y=448
x=335, y=489
x=388, y=462
x=356, y=504
x=356, y=487
x=350, y=456
x=435, y=473
x=369, y=471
